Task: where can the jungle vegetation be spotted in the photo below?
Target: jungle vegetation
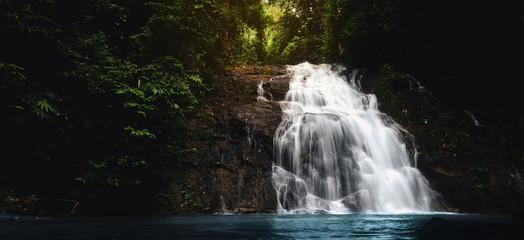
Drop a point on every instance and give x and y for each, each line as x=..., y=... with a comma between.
x=94, y=94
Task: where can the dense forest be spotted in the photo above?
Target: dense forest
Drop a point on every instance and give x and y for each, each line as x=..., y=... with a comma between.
x=95, y=93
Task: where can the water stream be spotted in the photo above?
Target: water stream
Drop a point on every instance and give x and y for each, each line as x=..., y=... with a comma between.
x=336, y=152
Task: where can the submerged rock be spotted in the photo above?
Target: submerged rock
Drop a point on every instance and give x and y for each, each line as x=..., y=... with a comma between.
x=436, y=228
x=469, y=227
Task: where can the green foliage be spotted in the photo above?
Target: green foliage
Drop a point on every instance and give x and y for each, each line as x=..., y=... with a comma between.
x=305, y=157
x=189, y=197
x=96, y=93
x=301, y=32
x=392, y=87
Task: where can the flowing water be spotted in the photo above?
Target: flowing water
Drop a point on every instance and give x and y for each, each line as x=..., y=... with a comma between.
x=336, y=152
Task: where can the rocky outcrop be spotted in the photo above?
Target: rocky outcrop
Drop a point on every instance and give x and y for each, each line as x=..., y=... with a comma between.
x=474, y=168
x=226, y=166
x=228, y=161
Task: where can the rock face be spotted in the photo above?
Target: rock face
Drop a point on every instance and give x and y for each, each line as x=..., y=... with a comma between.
x=228, y=164
x=475, y=168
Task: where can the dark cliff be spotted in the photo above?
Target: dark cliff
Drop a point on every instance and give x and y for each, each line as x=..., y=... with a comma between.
x=227, y=167
x=474, y=167
x=227, y=164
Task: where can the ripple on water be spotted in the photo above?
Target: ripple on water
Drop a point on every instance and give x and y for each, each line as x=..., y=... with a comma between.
x=264, y=226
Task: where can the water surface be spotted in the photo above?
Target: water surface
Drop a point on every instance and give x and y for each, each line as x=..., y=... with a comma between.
x=266, y=226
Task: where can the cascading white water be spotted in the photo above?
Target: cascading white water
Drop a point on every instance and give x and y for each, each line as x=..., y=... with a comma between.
x=260, y=91
x=335, y=152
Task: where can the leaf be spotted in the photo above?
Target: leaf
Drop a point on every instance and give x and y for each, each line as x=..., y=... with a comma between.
x=45, y=105
x=97, y=165
x=113, y=181
x=195, y=78
x=142, y=113
x=140, y=132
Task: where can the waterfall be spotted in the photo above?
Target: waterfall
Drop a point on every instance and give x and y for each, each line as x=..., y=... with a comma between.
x=335, y=152
x=260, y=91
x=473, y=119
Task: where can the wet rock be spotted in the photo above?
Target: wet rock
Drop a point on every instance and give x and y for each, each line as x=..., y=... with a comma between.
x=470, y=165
x=469, y=227
x=358, y=201
x=293, y=194
x=436, y=228
x=228, y=168
x=227, y=164
x=518, y=192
